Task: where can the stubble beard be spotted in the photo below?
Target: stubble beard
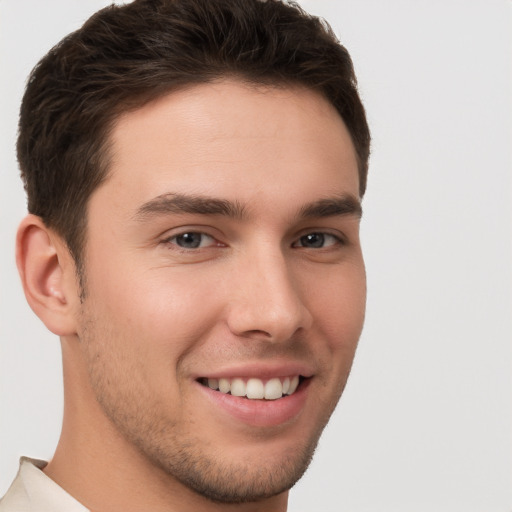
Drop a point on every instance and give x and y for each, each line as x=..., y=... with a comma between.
x=175, y=449
x=236, y=482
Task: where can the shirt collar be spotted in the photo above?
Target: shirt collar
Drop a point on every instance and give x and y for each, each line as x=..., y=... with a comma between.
x=42, y=493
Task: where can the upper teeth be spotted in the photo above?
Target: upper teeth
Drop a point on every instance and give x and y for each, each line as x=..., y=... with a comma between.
x=256, y=389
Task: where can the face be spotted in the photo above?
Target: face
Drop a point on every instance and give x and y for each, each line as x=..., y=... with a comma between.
x=225, y=287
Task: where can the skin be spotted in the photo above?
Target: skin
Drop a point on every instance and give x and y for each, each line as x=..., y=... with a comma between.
x=256, y=297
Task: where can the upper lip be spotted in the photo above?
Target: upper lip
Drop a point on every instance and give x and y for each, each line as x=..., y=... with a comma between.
x=258, y=370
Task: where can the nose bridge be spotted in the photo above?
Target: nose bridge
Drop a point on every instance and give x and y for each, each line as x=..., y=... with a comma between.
x=268, y=300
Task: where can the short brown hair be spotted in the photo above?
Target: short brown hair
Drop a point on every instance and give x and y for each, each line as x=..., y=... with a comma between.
x=125, y=56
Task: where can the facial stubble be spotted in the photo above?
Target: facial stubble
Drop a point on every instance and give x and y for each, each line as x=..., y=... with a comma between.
x=121, y=388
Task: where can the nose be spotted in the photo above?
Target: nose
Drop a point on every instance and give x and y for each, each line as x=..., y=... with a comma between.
x=266, y=301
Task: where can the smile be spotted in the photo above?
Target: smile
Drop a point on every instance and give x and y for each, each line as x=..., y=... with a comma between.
x=253, y=388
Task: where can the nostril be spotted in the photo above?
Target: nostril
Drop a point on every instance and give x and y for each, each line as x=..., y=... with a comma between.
x=256, y=332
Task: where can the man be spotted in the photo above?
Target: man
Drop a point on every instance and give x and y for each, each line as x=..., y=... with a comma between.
x=194, y=172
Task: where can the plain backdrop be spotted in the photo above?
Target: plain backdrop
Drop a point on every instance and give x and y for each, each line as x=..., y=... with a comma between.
x=425, y=423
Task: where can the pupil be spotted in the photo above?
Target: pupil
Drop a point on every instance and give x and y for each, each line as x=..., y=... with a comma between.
x=313, y=240
x=189, y=240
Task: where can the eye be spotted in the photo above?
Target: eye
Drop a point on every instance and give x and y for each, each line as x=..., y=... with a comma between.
x=191, y=240
x=317, y=241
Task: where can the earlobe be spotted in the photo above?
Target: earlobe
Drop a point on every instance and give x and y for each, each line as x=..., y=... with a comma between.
x=47, y=273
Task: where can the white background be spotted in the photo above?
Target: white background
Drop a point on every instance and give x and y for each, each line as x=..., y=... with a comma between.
x=425, y=423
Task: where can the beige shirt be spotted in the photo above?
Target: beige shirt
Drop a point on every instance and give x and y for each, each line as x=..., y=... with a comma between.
x=33, y=491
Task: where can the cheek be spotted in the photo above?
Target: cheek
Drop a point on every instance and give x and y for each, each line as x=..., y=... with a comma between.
x=158, y=308
x=339, y=308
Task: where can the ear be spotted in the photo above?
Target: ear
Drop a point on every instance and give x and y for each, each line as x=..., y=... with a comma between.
x=48, y=275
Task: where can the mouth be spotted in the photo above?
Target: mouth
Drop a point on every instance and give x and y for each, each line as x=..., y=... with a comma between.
x=271, y=399
x=254, y=388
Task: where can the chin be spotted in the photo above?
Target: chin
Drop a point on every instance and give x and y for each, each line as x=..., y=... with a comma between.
x=226, y=482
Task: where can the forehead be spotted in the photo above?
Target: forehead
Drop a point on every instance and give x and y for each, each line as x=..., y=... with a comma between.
x=231, y=139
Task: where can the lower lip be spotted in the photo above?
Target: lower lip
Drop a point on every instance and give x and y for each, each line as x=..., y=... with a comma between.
x=260, y=413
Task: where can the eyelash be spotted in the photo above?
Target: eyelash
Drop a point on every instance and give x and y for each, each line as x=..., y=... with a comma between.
x=172, y=240
x=336, y=240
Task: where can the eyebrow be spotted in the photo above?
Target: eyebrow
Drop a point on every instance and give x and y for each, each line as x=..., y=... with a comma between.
x=344, y=205
x=332, y=207
x=195, y=204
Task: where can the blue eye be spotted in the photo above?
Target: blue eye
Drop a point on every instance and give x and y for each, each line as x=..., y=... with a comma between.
x=191, y=240
x=317, y=240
